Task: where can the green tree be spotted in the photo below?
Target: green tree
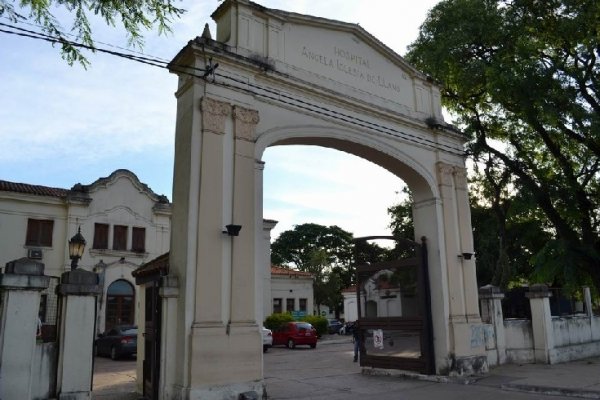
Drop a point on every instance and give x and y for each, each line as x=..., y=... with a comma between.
x=324, y=251
x=521, y=77
x=297, y=247
x=134, y=15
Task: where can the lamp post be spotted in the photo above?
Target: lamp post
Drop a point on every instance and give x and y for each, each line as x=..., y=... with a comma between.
x=76, y=247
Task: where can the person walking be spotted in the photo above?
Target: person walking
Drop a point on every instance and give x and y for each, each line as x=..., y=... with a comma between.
x=356, y=340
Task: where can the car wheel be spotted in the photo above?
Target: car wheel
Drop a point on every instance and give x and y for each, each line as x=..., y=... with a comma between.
x=314, y=345
x=291, y=344
x=265, y=348
x=96, y=352
x=113, y=353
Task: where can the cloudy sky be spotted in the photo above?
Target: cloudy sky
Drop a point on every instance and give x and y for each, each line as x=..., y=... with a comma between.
x=60, y=125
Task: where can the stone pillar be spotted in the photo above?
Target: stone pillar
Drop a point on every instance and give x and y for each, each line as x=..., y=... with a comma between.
x=541, y=322
x=491, y=313
x=78, y=290
x=216, y=340
x=20, y=287
x=587, y=301
x=168, y=292
x=467, y=331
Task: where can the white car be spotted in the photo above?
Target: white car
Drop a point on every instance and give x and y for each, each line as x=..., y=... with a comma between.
x=267, y=337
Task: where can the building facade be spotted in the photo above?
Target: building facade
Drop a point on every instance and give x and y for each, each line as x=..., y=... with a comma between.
x=291, y=291
x=124, y=222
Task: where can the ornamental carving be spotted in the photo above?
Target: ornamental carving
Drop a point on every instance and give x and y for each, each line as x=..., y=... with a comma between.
x=245, y=121
x=445, y=173
x=460, y=178
x=214, y=113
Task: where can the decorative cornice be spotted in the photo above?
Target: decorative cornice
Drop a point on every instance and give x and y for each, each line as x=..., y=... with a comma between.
x=214, y=113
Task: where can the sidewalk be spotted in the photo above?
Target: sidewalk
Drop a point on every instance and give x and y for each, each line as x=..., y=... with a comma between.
x=573, y=379
x=578, y=379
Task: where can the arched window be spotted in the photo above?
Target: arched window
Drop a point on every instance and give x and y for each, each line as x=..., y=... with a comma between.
x=120, y=304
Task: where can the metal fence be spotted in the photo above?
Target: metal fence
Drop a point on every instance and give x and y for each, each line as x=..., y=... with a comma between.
x=516, y=305
x=48, y=313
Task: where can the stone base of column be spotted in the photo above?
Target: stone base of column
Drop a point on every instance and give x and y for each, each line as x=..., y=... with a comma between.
x=233, y=391
x=222, y=357
x=75, y=396
x=470, y=356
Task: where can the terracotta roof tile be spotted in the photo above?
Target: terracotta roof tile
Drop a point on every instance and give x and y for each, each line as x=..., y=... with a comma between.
x=37, y=190
x=282, y=271
x=160, y=265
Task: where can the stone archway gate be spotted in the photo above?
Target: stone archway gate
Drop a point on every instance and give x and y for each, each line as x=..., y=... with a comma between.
x=276, y=78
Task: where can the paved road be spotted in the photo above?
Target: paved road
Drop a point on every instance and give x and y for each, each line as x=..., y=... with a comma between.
x=328, y=372
x=114, y=380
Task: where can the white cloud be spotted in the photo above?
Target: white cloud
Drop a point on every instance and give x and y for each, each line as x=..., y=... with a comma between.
x=61, y=125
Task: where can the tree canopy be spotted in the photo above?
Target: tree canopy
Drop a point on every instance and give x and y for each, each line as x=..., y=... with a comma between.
x=134, y=15
x=324, y=251
x=522, y=79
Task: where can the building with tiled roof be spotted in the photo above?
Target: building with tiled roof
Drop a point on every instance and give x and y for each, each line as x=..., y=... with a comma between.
x=123, y=221
x=291, y=290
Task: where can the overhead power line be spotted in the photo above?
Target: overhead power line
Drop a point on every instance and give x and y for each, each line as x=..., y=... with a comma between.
x=241, y=85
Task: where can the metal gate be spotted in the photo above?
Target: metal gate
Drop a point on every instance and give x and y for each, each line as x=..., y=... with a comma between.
x=394, y=309
x=151, y=364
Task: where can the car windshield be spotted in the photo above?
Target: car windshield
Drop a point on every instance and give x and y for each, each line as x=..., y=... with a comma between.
x=304, y=326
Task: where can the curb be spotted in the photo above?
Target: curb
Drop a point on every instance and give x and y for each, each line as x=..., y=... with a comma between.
x=463, y=380
x=551, y=391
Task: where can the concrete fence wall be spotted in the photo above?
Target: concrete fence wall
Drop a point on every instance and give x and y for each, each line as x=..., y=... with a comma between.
x=44, y=371
x=543, y=338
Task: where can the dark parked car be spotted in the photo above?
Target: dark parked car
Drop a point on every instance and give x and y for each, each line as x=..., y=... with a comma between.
x=348, y=328
x=117, y=342
x=333, y=326
x=292, y=334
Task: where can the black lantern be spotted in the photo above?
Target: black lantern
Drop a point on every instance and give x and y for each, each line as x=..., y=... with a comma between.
x=76, y=247
x=232, y=230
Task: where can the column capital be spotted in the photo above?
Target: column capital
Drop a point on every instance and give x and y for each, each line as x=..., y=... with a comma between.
x=445, y=173
x=214, y=113
x=245, y=121
x=460, y=178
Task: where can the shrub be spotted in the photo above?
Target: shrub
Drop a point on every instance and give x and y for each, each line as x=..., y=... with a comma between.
x=318, y=322
x=275, y=321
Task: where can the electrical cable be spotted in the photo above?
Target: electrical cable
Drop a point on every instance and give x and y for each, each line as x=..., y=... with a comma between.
x=250, y=88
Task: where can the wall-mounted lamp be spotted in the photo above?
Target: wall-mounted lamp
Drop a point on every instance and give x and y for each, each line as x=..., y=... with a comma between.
x=232, y=230
x=466, y=256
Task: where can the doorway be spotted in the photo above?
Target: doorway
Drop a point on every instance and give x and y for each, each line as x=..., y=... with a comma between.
x=120, y=304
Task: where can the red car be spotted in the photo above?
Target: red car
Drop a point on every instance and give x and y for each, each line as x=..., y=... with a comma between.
x=295, y=333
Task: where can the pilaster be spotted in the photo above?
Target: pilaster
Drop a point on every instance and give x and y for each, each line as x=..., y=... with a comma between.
x=463, y=209
x=456, y=290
